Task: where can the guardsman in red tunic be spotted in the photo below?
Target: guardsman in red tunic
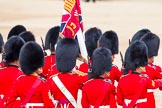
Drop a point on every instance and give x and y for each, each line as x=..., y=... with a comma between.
x=30, y=87
x=97, y=91
x=91, y=38
x=64, y=86
x=138, y=35
x=1, y=50
x=110, y=40
x=132, y=88
x=11, y=72
x=152, y=41
x=50, y=41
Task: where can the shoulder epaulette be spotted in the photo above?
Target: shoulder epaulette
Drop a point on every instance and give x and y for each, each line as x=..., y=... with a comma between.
x=42, y=78
x=144, y=75
x=108, y=80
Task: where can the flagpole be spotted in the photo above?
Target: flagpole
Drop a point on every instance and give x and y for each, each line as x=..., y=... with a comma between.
x=81, y=42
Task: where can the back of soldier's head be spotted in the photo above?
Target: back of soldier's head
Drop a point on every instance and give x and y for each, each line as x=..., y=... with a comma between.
x=101, y=62
x=67, y=51
x=31, y=57
x=110, y=40
x=1, y=43
x=136, y=55
x=16, y=30
x=152, y=41
x=27, y=36
x=51, y=37
x=91, y=38
x=12, y=48
x=138, y=35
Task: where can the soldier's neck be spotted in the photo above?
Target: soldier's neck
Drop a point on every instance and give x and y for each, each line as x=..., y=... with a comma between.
x=15, y=63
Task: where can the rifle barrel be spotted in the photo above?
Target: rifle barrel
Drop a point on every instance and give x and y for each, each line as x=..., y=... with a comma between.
x=121, y=55
x=43, y=47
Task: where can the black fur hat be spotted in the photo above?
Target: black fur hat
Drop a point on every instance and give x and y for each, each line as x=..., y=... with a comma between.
x=12, y=48
x=110, y=40
x=1, y=43
x=16, y=30
x=152, y=41
x=31, y=57
x=101, y=61
x=139, y=34
x=136, y=55
x=91, y=38
x=51, y=37
x=27, y=36
x=67, y=51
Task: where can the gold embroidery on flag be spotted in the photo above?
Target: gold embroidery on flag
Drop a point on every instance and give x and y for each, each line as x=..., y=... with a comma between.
x=69, y=4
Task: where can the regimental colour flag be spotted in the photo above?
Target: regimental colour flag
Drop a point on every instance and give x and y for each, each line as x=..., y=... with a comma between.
x=72, y=24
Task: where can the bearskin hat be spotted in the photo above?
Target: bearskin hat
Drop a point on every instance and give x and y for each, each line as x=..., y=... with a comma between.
x=27, y=36
x=12, y=48
x=136, y=55
x=91, y=37
x=152, y=41
x=31, y=57
x=16, y=30
x=1, y=43
x=110, y=40
x=51, y=37
x=101, y=61
x=67, y=51
x=139, y=34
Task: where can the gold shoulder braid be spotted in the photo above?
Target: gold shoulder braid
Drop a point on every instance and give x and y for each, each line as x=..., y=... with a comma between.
x=80, y=73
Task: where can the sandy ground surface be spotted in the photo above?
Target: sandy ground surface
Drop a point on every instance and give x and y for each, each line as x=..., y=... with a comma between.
x=123, y=16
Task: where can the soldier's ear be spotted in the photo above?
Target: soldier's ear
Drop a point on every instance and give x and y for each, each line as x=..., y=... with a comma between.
x=143, y=69
x=107, y=74
x=40, y=69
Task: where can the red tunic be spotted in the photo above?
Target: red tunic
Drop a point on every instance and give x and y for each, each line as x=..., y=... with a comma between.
x=154, y=74
x=53, y=71
x=115, y=74
x=73, y=82
x=159, y=70
x=84, y=67
x=1, y=64
x=8, y=75
x=23, y=86
x=156, y=67
x=93, y=89
x=49, y=61
x=128, y=86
